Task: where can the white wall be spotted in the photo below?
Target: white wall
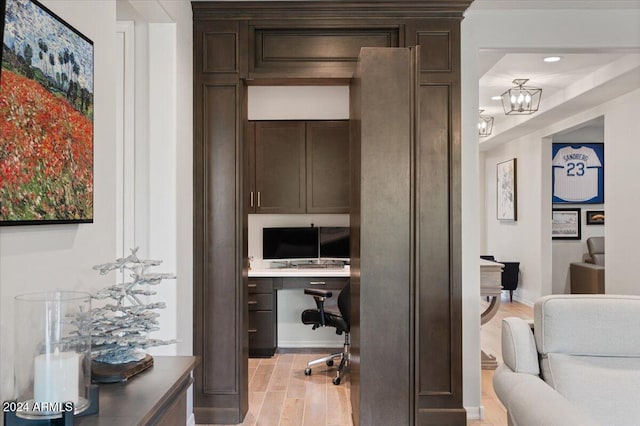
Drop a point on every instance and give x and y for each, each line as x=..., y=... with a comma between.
x=518, y=240
x=555, y=30
x=163, y=156
x=622, y=194
x=180, y=12
x=567, y=251
x=40, y=258
x=621, y=201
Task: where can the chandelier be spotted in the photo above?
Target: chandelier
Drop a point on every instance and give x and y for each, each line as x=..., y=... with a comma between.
x=521, y=99
x=485, y=125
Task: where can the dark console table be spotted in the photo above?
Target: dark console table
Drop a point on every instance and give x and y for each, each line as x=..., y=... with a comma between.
x=157, y=396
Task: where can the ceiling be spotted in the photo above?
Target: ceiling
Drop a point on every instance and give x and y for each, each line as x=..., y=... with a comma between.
x=580, y=80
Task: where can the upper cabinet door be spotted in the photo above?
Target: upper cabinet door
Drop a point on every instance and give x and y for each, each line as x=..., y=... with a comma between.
x=327, y=167
x=279, y=167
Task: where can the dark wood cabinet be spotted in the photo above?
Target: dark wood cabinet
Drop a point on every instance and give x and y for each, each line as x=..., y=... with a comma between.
x=279, y=167
x=327, y=167
x=298, y=167
x=241, y=43
x=263, y=330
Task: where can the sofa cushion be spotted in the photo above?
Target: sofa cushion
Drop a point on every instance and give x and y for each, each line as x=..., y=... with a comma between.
x=606, y=388
x=598, y=325
x=519, y=347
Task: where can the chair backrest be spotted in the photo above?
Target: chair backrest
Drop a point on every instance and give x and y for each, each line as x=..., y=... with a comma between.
x=590, y=325
x=344, y=303
x=595, y=245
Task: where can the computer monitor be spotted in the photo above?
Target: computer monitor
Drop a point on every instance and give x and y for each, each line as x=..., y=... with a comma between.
x=289, y=243
x=334, y=242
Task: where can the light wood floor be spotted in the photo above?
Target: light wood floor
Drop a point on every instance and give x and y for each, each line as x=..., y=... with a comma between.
x=281, y=395
x=490, y=340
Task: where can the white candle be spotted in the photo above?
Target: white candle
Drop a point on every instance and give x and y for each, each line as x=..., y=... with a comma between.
x=56, y=377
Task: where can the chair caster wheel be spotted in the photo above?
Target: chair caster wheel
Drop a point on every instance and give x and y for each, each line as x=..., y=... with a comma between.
x=336, y=380
x=330, y=363
x=307, y=371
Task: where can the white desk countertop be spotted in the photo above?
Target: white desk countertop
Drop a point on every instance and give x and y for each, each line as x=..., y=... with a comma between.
x=302, y=272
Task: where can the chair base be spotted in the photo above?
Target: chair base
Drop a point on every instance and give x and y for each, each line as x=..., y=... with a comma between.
x=343, y=356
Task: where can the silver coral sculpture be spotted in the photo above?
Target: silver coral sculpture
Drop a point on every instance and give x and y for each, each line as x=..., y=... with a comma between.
x=120, y=329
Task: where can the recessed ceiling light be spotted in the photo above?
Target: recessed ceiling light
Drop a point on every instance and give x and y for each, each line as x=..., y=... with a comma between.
x=552, y=58
x=496, y=98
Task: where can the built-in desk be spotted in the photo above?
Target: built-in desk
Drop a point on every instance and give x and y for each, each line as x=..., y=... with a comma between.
x=263, y=300
x=157, y=396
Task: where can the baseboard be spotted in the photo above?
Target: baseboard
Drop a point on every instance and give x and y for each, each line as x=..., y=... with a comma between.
x=524, y=301
x=191, y=421
x=308, y=344
x=316, y=351
x=475, y=413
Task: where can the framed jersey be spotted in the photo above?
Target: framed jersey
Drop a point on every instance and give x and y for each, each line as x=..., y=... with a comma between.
x=578, y=173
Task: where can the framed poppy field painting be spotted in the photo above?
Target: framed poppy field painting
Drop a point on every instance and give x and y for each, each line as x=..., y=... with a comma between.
x=46, y=118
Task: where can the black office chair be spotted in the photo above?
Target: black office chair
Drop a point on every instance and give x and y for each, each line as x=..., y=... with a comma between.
x=330, y=316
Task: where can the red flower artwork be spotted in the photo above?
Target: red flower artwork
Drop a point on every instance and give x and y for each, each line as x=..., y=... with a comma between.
x=46, y=154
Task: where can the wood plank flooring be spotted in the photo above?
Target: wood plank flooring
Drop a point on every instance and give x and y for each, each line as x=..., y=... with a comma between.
x=490, y=339
x=281, y=395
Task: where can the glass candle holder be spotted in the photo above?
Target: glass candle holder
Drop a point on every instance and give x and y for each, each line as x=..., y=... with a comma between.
x=52, y=353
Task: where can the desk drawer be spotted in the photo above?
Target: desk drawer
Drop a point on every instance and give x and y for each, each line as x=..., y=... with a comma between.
x=260, y=285
x=261, y=327
x=260, y=302
x=328, y=283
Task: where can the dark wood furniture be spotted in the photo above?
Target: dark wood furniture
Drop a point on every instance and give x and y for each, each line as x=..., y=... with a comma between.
x=298, y=166
x=317, y=42
x=327, y=166
x=279, y=167
x=263, y=317
x=406, y=259
x=158, y=396
x=263, y=308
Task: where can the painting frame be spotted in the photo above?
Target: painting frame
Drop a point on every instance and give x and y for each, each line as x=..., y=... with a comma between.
x=48, y=164
x=595, y=217
x=566, y=224
x=577, y=173
x=507, y=190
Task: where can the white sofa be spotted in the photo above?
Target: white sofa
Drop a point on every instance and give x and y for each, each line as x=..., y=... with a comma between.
x=582, y=367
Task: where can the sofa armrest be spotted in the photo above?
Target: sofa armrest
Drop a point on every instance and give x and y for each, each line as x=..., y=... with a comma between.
x=519, y=347
x=531, y=402
x=586, y=278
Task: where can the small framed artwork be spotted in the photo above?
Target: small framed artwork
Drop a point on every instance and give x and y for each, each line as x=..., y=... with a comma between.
x=578, y=173
x=565, y=224
x=595, y=217
x=506, y=193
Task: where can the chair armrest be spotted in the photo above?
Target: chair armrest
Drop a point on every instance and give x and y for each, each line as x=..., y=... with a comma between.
x=586, y=278
x=531, y=402
x=318, y=292
x=519, y=347
x=319, y=296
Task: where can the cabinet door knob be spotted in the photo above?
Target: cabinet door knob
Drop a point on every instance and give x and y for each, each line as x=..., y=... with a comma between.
x=258, y=198
x=252, y=285
x=317, y=282
x=253, y=302
x=251, y=199
x=253, y=330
